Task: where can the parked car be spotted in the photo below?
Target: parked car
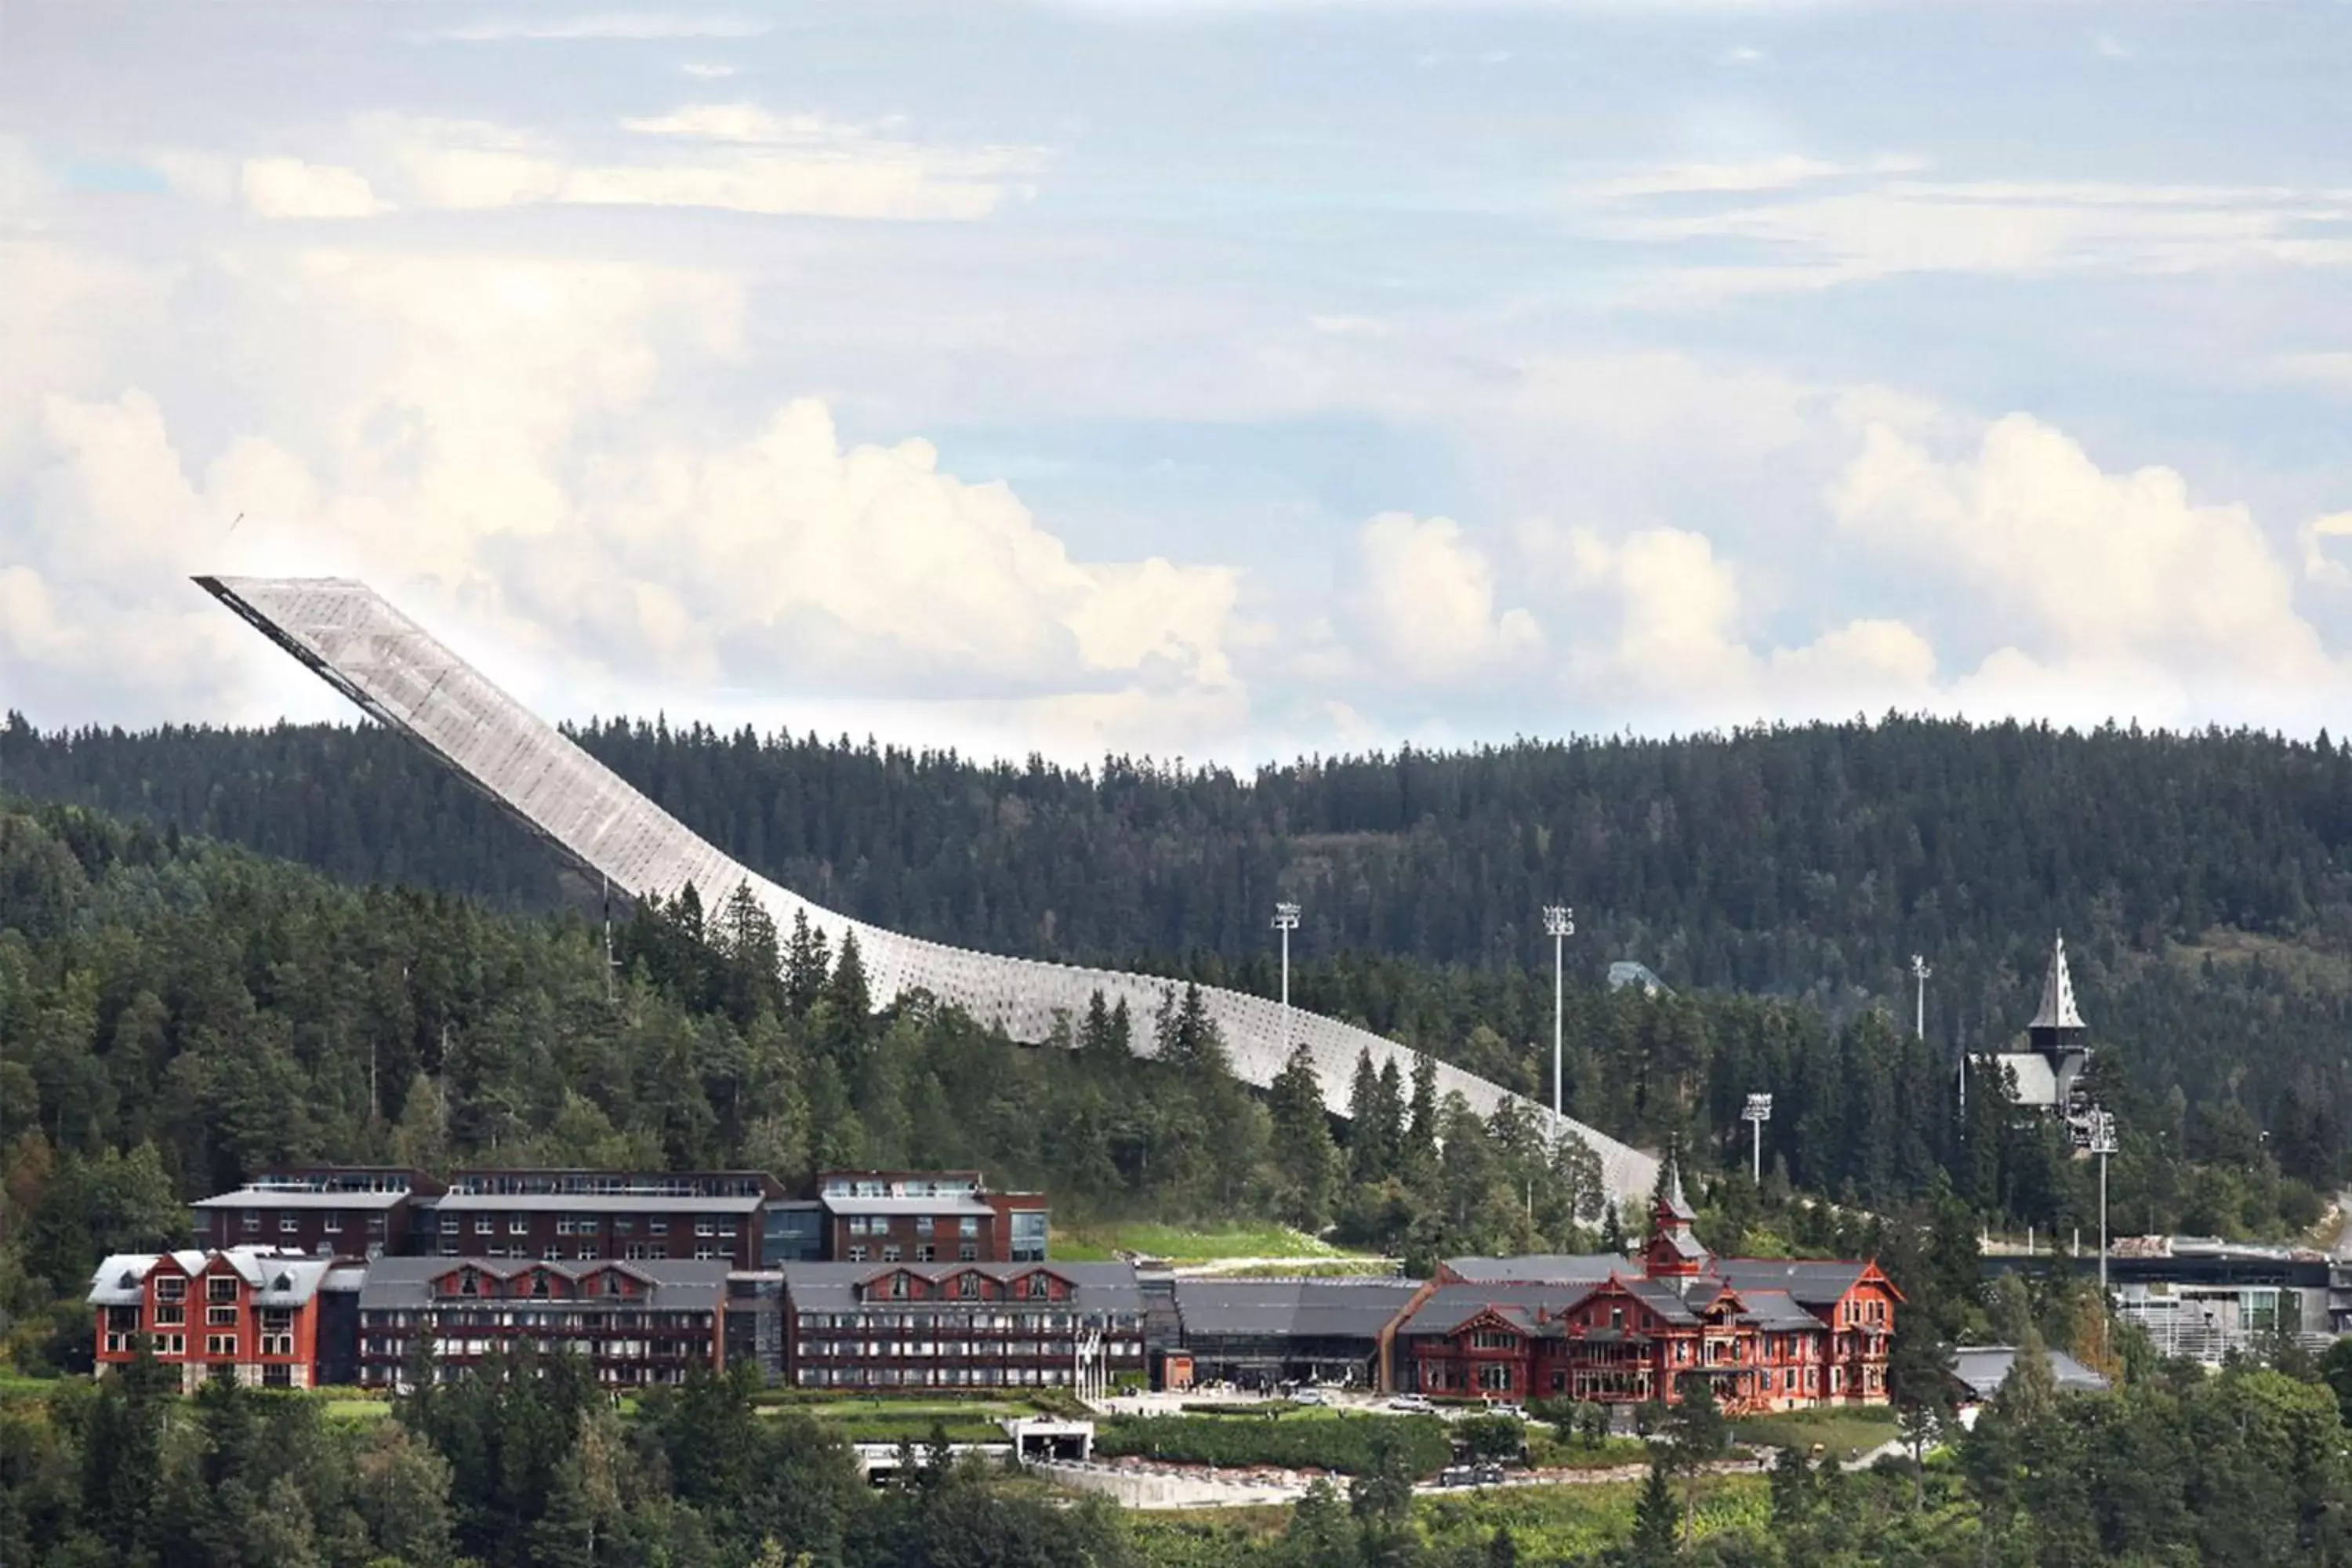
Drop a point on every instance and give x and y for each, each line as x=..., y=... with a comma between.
x=1507, y=1408
x=1309, y=1397
x=1458, y=1475
x=1411, y=1403
x=1489, y=1475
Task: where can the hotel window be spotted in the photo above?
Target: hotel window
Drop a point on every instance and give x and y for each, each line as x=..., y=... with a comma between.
x=220, y=1344
x=170, y=1344
x=172, y=1290
x=857, y=1254
x=331, y=1222
x=968, y=1286
x=968, y=1253
x=968, y=1227
x=220, y=1288
x=898, y=1284
x=924, y=1251
x=891, y=1253
x=657, y=1228
x=705, y=1227
x=250, y=1219
x=484, y=1225
x=519, y=1225
x=171, y=1312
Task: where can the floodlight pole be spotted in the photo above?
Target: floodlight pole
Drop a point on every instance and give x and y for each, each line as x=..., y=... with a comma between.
x=1758, y=1111
x=2102, y=1144
x=1285, y=920
x=1560, y=924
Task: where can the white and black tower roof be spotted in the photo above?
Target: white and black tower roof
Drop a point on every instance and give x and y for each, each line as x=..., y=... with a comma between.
x=2058, y=1027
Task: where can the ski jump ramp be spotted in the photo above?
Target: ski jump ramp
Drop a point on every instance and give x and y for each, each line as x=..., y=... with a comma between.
x=404, y=678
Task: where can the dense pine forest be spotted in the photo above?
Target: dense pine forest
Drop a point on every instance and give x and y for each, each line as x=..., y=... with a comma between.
x=1777, y=879
x=178, y=1011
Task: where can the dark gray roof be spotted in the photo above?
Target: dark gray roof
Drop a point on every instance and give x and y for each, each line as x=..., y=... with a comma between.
x=1814, y=1283
x=1775, y=1310
x=1685, y=1245
x=299, y=1198
x=832, y=1287
x=679, y=1284
x=1291, y=1309
x=1662, y=1297
x=1543, y=1268
x=1984, y=1368
x=1451, y=1306
x=592, y=1203
x=957, y=1203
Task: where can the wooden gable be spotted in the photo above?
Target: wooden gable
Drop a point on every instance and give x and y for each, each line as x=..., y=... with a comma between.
x=1486, y=1320
x=965, y=1285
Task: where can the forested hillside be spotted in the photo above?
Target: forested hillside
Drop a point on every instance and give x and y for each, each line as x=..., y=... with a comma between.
x=2201, y=880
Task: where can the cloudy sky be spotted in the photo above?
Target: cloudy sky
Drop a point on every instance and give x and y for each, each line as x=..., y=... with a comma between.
x=1203, y=379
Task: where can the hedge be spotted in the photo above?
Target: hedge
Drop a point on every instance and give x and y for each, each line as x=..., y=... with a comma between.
x=1344, y=1444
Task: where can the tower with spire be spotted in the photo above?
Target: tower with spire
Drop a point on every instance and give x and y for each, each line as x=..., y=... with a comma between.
x=1674, y=1251
x=2059, y=1042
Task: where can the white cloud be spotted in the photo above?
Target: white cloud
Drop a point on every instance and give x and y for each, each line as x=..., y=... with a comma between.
x=1422, y=606
x=289, y=187
x=744, y=159
x=1892, y=226
x=707, y=70
x=2092, y=581
x=493, y=440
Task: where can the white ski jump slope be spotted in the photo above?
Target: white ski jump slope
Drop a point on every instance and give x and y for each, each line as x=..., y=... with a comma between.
x=405, y=677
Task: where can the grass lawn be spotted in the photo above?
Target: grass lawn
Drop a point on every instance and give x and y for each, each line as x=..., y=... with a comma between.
x=1547, y=1522
x=1837, y=1430
x=867, y=1420
x=1178, y=1243
x=358, y=1409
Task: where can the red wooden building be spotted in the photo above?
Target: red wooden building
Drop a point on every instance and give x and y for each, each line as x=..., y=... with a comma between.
x=251, y=1315
x=1770, y=1334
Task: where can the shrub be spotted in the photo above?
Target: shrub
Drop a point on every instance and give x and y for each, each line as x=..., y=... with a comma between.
x=1345, y=1445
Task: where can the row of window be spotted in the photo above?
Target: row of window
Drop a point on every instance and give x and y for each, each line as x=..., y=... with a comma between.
x=603, y=1184
x=1019, y=1323
x=583, y=1252
x=673, y=1321
x=925, y=1252
x=917, y=1350
x=920, y=1225
x=933, y=1376
x=289, y=1222
x=723, y=1227
x=847, y=1187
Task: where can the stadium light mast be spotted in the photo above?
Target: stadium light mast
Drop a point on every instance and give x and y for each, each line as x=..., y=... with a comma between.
x=1285, y=920
x=1560, y=924
x=1758, y=1111
x=1920, y=970
x=2102, y=1144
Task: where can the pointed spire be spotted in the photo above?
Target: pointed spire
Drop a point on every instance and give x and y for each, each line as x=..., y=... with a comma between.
x=1679, y=1205
x=2058, y=1011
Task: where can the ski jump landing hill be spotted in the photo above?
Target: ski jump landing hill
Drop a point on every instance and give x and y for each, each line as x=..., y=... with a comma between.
x=404, y=678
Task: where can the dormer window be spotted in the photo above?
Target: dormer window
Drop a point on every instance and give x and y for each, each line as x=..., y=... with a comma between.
x=968, y=1286
x=897, y=1287
x=539, y=1285
x=469, y=1283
